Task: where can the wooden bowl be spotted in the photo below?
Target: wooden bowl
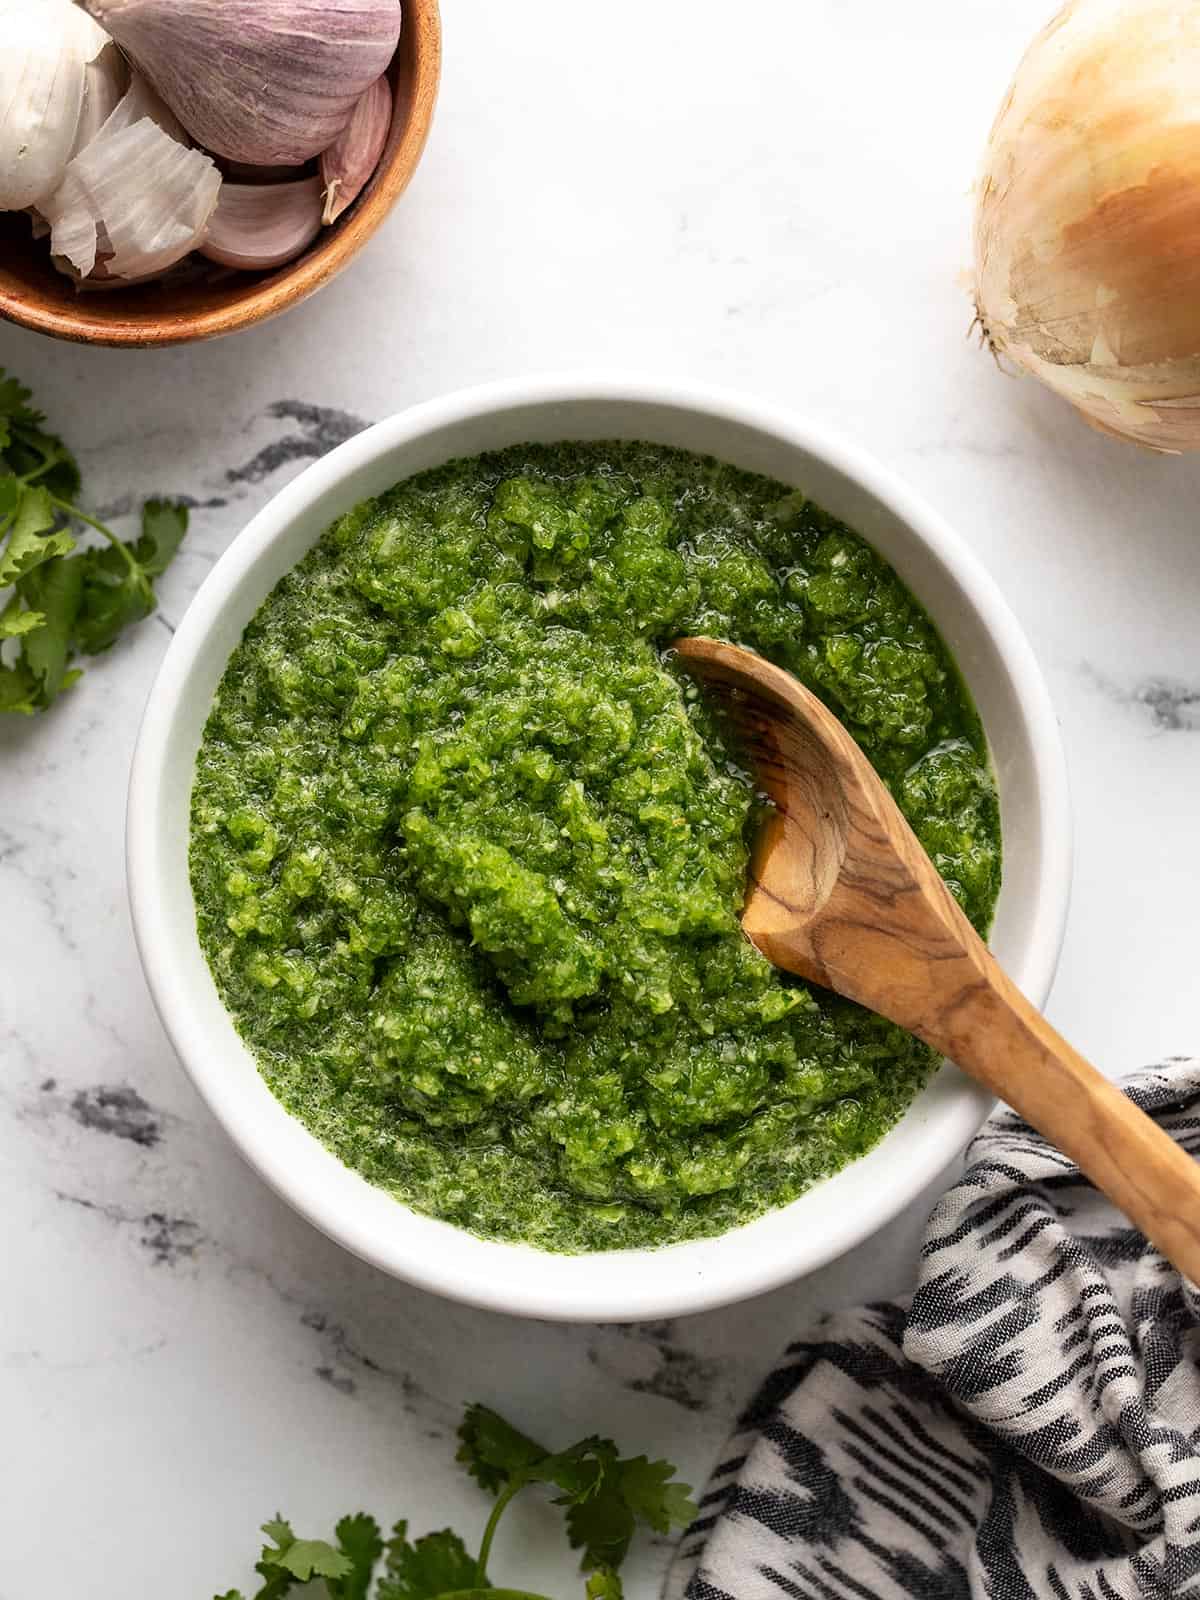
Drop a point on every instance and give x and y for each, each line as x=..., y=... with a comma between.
x=36, y=295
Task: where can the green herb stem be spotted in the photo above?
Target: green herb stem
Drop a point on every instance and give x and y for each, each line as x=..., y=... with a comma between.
x=131, y=561
x=50, y=458
x=489, y=1533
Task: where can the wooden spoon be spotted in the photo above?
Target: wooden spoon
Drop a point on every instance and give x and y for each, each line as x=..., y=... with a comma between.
x=842, y=893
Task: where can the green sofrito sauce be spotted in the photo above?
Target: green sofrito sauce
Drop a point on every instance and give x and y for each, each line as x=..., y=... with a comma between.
x=468, y=850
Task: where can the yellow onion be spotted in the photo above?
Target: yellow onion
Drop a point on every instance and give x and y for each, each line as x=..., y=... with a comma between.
x=1087, y=227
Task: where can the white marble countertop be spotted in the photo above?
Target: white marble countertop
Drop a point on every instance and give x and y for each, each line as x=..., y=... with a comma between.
x=771, y=196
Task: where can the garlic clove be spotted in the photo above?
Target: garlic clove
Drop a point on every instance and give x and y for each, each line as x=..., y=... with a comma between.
x=150, y=195
x=75, y=226
x=353, y=156
x=105, y=82
x=278, y=79
x=67, y=18
x=259, y=226
x=47, y=45
x=74, y=21
x=141, y=100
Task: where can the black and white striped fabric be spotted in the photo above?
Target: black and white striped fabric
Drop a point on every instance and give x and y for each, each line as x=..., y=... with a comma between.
x=1027, y=1427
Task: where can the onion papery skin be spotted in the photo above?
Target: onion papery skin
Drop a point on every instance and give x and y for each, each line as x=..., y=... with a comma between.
x=1087, y=223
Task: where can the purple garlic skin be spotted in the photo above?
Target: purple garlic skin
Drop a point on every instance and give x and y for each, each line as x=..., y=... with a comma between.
x=265, y=82
x=353, y=156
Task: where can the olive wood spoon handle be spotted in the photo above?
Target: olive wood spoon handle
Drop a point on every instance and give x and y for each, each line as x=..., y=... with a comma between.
x=841, y=893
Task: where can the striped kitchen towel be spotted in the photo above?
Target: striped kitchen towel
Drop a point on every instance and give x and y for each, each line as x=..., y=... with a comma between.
x=1027, y=1427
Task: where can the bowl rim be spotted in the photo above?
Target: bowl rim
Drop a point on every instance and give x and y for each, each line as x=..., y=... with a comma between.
x=508, y=1285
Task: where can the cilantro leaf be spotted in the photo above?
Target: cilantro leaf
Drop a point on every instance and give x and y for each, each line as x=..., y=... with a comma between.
x=14, y=408
x=31, y=452
x=493, y=1451
x=20, y=421
x=601, y=1524
x=18, y=690
x=14, y=622
x=60, y=473
x=288, y=1560
x=54, y=590
x=438, y=1564
x=60, y=607
x=360, y=1542
x=117, y=585
x=605, y=1498
x=114, y=596
x=655, y=1495
x=308, y=1558
x=314, y=1558
x=43, y=458
x=278, y=1579
x=163, y=527
x=278, y=1582
x=578, y=1471
x=30, y=541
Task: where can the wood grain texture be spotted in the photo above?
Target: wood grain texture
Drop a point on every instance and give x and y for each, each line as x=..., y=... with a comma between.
x=35, y=295
x=842, y=894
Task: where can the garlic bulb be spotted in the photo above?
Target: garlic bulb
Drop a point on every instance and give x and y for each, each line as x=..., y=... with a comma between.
x=1087, y=228
x=354, y=154
x=262, y=81
x=135, y=199
x=257, y=226
x=47, y=45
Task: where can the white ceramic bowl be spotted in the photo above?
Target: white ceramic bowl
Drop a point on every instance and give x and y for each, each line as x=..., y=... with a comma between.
x=974, y=620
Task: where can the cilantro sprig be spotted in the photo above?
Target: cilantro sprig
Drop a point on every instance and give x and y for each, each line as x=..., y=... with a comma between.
x=604, y=1497
x=58, y=601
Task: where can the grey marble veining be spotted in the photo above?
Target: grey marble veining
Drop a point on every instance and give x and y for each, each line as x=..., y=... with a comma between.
x=1170, y=705
x=784, y=210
